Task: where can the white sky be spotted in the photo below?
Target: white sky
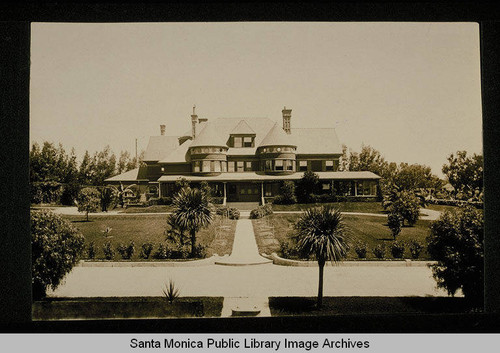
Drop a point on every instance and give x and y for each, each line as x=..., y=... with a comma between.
x=410, y=90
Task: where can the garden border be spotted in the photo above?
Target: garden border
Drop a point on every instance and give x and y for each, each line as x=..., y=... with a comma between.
x=160, y=263
x=385, y=263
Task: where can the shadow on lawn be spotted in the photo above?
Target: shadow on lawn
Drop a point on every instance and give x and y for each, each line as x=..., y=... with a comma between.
x=282, y=306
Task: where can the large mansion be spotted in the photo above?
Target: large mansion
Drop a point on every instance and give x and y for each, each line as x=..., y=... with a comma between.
x=246, y=159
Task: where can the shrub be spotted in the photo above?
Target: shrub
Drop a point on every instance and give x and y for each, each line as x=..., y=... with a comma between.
x=415, y=249
x=394, y=221
x=261, y=211
x=91, y=251
x=161, y=253
x=379, y=251
x=130, y=250
x=88, y=200
x=179, y=251
x=307, y=186
x=46, y=192
x=70, y=194
x=109, y=253
x=222, y=211
x=146, y=249
x=407, y=206
x=55, y=247
x=108, y=196
x=456, y=242
x=361, y=249
x=234, y=213
x=286, y=194
x=200, y=251
x=397, y=249
x=287, y=249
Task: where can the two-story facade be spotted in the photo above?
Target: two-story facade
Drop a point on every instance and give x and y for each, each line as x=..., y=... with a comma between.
x=245, y=159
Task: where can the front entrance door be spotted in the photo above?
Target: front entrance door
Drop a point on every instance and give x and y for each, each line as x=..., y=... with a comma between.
x=243, y=192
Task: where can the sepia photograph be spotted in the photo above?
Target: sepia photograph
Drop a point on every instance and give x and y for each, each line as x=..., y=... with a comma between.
x=255, y=169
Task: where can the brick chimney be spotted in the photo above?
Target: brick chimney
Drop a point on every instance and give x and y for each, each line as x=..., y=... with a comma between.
x=194, y=121
x=287, y=116
x=162, y=130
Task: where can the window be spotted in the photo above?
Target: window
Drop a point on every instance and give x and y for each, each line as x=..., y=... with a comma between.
x=237, y=142
x=240, y=166
x=289, y=165
x=325, y=186
x=197, y=166
x=268, y=165
x=224, y=166
x=303, y=166
x=230, y=166
x=278, y=164
x=205, y=167
x=248, y=166
x=217, y=166
x=329, y=166
x=247, y=141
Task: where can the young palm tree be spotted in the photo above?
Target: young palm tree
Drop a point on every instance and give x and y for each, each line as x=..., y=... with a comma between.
x=192, y=211
x=322, y=233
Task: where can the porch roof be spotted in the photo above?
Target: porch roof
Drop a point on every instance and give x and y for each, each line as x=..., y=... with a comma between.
x=253, y=176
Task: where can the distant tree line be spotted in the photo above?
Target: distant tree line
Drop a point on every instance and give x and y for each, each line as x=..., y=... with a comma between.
x=56, y=177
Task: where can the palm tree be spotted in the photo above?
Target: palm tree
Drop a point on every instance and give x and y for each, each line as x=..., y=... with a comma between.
x=322, y=233
x=192, y=211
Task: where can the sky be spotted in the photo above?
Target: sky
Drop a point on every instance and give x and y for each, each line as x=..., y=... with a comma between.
x=410, y=90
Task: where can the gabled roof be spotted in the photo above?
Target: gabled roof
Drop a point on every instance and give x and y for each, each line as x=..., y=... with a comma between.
x=158, y=146
x=277, y=137
x=316, y=141
x=178, y=155
x=136, y=174
x=242, y=129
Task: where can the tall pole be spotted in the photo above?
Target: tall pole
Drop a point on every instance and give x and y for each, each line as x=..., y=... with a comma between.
x=136, y=160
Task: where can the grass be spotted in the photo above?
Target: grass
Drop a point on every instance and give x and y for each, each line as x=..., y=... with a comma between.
x=369, y=229
x=218, y=237
x=285, y=306
x=366, y=207
x=442, y=208
x=126, y=308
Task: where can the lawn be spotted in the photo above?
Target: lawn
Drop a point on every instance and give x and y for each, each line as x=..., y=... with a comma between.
x=218, y=237
x=284, y=306
x=366, y=207
x=126, y=308
x=442, y=208
x=370, y=229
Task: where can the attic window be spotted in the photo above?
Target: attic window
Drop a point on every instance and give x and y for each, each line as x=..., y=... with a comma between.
x=237, y=142
x=247, y=141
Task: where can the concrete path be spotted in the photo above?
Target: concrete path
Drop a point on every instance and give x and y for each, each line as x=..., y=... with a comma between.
x=245, y=251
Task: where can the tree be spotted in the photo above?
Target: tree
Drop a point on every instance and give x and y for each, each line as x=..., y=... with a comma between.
x=416, y=176
x=394, y=222
x=88, y=200
x=407, y=205
x=322, y=233
x=456, y=243
x=86, y=173
x=465, y=173
x=192, y=210
x=307, y=185
x=104, y=165
x=56, y=247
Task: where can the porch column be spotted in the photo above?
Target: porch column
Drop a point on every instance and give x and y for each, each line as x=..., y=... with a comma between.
x=224, y=200
x=355, y=188
x=262, y=200
x=159, y=190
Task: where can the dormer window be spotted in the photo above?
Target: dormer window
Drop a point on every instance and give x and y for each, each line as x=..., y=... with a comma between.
x=242, y=141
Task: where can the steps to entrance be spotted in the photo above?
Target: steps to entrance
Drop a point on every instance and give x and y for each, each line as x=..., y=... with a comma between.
x=245, y=251
x=245, y=306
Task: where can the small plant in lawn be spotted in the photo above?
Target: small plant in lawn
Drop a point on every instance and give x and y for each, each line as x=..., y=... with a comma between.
x=287, y=249
x=109, y=253
x=130, y=250
x=170, y=291
x=122, y=250
x=398, y=249
x=394, y=221
x=415, y=249
x=161, y=252
x=361, y=248
x=146, y=250
x=91, y=251
x=379, y=251
x=106, y=231
x=233, y=213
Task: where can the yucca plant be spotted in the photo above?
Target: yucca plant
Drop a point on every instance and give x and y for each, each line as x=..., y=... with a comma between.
x=192, y=210
x=322, y=233
x=170, y=291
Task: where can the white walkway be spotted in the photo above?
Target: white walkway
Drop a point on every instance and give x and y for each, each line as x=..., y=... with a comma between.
x=245, y=251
